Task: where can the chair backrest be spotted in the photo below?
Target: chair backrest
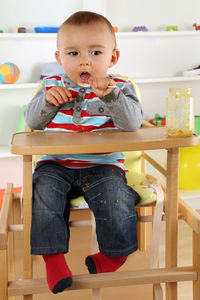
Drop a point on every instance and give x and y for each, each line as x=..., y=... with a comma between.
x=133, y=161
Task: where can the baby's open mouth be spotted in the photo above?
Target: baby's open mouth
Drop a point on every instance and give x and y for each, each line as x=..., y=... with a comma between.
x=84, y=77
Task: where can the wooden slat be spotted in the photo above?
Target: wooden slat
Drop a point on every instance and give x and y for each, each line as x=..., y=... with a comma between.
x=3, y=275
x=196, y=264
x=61, y=142
x=171, y=244
x=147, y=124
x=142, y=228
x=17, y=196
x=96, y=294
x=11, y=271
x=154, y=163
x=89, y=281
x=27, y=213
x=4, y=216
x=16, y=227
x=87, y=223
x=191, y=216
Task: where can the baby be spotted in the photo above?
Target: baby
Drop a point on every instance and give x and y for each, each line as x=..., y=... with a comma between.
x=84, y=98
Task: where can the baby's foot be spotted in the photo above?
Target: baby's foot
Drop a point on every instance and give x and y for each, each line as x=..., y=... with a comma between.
x=59, y=276
x=99, y=263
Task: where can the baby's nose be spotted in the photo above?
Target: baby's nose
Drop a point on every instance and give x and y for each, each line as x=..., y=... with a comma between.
x=84, y=60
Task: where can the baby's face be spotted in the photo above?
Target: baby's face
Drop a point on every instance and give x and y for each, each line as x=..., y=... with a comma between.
x=86, y=51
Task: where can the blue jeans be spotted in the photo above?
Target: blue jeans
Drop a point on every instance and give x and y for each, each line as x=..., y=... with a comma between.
x=108, y=196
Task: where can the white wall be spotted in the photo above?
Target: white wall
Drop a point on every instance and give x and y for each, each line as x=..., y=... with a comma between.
x=14, y=14
x=140, y=57
x=155, y=14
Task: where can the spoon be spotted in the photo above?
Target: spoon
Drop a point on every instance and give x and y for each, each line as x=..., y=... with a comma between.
x=86, y=85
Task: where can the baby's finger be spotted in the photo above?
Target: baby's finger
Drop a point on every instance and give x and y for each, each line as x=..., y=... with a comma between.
x=66, y=94
x=57, y=94
x=52, y=100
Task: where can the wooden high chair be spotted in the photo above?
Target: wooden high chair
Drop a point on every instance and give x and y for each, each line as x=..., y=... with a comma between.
x=28, y=144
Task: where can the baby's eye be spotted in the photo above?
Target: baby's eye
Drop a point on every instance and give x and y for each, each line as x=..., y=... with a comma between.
x=73, y=53
x=95, y=52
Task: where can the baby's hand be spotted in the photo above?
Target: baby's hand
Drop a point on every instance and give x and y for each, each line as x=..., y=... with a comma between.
x=101, y=86
x=58, y=95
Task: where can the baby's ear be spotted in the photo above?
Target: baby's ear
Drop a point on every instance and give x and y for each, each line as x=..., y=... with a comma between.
x=57, y=56
x=115, y=57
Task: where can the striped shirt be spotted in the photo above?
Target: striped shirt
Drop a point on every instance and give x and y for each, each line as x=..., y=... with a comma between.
x=87, y=113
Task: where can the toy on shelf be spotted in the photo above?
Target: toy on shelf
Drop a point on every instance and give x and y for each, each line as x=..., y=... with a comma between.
x=46, y=29
x=21, y=30
x=158, y=120
x=9, y=72
x=172, y=28
x=197, y=125
x=197, y=27
x=139, y=28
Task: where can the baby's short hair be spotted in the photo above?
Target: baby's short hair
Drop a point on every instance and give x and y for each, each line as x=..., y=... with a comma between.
x=85, y=18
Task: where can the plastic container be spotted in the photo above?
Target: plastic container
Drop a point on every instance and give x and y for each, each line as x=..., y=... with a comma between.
x=180, y=112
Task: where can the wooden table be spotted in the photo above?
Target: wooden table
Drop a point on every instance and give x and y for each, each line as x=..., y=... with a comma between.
x=28, y=144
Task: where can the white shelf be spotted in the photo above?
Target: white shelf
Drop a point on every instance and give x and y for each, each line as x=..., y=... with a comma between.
x=158, y=34
x=166, y=79
x=27, y=85
x=33, y=85
x=28, y=35
x=118, y=34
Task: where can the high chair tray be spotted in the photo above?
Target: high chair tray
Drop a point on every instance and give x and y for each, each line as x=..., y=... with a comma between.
x=96, y=142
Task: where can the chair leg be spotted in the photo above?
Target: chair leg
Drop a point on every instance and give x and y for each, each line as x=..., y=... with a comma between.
x=27, y=215
x=11, y=271
x=196, y=263
x=4, y=222
x=157, y=292
x=96, y=294
x=4, y=275
x=157, y=220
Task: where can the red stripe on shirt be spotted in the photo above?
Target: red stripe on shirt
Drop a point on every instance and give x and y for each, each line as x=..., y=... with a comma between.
x=73, y=127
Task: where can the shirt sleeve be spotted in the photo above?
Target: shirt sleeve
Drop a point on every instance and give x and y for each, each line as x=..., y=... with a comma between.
x=124, y=107
x=39, y=112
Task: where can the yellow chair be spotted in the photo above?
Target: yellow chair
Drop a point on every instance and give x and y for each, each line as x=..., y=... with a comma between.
x=29, y=144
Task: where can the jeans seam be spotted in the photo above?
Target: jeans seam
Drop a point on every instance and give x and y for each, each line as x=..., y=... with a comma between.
x=101, y=181
x=51, y=176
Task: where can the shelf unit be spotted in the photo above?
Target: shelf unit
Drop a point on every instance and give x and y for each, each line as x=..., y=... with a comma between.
x=152, y=41
x=139, y=34
x=154, y=59
x=33, y=85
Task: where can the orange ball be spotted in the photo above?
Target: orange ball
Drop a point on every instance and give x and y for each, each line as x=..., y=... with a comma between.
x=9, y=72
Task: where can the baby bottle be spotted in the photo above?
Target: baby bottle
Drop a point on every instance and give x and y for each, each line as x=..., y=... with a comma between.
x=180, y=112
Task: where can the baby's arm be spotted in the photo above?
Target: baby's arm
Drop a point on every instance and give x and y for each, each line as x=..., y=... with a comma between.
x=40, y=111
x=124, y=107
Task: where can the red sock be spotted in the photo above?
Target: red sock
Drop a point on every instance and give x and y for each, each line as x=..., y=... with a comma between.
x=99, y=263
x=59, y=276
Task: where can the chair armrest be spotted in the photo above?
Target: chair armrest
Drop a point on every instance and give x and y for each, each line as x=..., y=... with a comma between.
x=4, y=216
x=191, y=216
x=146, y=124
